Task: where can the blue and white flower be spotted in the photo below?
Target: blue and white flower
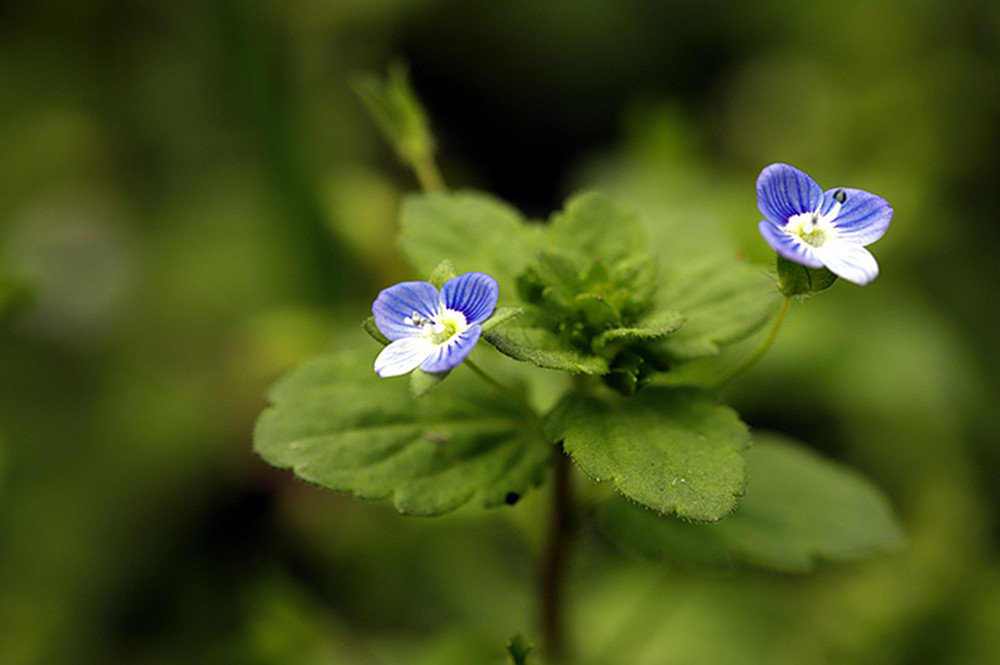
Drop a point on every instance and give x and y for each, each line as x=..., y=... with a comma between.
x=432, y=330
x=806, y=225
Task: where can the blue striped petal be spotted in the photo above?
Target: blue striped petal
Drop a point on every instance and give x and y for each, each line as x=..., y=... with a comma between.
x=400, y=301
x=864, y=217
x=451, y=354
x=474, y=294
x=784, y=191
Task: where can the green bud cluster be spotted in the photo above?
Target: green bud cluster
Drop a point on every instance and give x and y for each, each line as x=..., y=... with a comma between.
x=595, y=305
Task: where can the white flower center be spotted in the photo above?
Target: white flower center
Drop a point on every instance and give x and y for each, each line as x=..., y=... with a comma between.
x=809, y=228
x=441, y=328
x=815, y=229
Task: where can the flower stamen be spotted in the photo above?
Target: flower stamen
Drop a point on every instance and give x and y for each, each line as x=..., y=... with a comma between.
x=809, y=227
x=446, y=325
x=416, y=320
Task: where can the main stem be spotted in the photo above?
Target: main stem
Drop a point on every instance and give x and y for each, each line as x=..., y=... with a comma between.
x=561, y=522
x=552, y=577
x=552, y=573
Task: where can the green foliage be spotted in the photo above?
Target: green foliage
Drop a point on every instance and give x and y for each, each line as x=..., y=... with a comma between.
x=500, y=316
x=398, y=112
x=594, y=300
x=204, y=164
x=795, y=279
x=723, y=302
x=518, y=649
x=656, y=326
x=368, y=325
x=472, y=230
x=441, y=274
x=594, y=226
x=671, y=450
x=15, y=297
x=339, y=426
x=529, y=340
x=799, y=508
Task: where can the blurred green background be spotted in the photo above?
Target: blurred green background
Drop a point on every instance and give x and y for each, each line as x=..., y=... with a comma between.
x=192, y=201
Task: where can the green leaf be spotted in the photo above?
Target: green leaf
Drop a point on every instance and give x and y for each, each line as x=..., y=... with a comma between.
x=596, y=311
x=795, y=279
x=655, y=326
x=593, y=282
x=672, y=450
x=501, y=315
x=524, y=339
x=722, y=302
x=337, y=425
x=441, y=274
x=640, y=273
x=593, y=225
x=799, y=508
x=474, y=231
x=560, y=277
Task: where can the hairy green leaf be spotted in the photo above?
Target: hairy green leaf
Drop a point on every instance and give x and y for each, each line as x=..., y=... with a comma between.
x=472, y=230
x=799, y=508
x=337, y=425
x=523, y=339
x=656, y=326
x=501, y=315
x=722, y=302
x=671, y=450
x=593, y=225
x=442, y=273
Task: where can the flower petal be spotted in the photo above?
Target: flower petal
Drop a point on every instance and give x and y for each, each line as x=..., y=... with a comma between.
x=401, y=300
x=863, y=218
x=789, y=246
x=474, y=294
x=403, y=356
x=849, y=260
x=454, y=351
x=784, y=191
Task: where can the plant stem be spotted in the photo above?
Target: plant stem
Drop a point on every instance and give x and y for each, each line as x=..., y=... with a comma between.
x=485, y=376
x=552, y=570
x=552, y=577
x=761, y=350
x=428, y=174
